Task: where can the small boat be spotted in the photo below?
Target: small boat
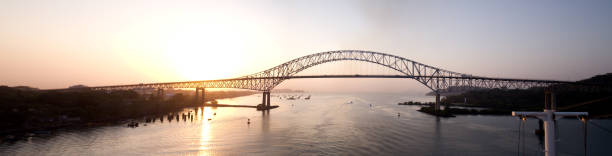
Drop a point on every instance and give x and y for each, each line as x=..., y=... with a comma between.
x=291, y=98
x=307, y=98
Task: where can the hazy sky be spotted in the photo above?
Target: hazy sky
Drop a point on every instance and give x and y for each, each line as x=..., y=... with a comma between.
x=55, y=44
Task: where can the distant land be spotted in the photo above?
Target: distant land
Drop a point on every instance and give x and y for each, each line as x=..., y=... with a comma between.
x=25, y=109
x=596, y=101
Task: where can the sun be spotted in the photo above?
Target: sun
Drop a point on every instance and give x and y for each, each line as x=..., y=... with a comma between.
x=183, y=49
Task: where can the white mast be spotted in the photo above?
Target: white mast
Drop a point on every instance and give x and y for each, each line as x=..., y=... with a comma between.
x=549, y=116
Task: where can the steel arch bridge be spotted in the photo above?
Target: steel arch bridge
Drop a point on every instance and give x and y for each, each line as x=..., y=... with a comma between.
x=434, y=78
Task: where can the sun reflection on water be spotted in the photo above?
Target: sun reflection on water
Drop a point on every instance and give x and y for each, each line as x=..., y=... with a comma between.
x=205, y=115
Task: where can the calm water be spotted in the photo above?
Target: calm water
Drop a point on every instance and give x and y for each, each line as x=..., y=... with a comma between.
x=325, y=125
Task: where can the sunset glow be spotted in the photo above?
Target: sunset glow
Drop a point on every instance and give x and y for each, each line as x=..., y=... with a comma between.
x=101, y=43
x=305, y=77
x=212, y=48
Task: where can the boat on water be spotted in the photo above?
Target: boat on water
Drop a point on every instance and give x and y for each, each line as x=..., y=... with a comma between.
x=290, y=98
x=307, y=98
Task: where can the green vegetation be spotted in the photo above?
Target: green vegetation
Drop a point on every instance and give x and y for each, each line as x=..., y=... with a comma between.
x=500, y=98
x=28, y=109
x=595, y=100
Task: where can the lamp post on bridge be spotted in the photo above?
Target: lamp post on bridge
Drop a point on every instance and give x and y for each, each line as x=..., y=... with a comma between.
x=549, y=117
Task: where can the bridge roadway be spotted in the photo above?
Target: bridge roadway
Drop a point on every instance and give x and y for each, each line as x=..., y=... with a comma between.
x=188, y=84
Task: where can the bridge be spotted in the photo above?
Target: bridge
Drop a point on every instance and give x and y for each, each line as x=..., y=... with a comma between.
x=436, y=79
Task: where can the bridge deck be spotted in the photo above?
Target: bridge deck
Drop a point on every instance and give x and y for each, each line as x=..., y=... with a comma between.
x=340, y=76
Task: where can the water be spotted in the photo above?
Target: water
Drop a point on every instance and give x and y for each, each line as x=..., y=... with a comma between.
x=325, y=125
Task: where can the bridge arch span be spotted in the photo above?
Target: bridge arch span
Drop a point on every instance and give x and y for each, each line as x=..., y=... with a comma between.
x=422, y=73
x=434, y=78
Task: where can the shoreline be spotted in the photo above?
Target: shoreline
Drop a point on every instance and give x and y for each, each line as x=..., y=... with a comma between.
x=448, y=111
x=25, y=131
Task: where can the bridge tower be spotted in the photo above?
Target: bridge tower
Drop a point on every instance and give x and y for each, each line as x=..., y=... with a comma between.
x=549, y=117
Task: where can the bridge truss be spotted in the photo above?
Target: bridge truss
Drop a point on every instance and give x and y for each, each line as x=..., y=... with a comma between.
x=434, y=78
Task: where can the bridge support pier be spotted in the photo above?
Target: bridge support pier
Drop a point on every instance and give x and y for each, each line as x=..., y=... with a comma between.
x=195, y=100
x=266, y=99
x=437, y=106
x=203, y=95
x=199, y=99
x=263, y=99
x=160, y=94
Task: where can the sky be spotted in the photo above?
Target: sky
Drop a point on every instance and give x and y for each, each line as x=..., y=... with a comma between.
x=56, y=44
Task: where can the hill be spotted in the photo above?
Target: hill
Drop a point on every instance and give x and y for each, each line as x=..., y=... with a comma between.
x=569, y=98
